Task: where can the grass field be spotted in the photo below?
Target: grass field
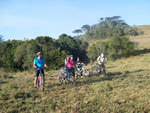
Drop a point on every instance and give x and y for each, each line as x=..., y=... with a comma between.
x=125, y=89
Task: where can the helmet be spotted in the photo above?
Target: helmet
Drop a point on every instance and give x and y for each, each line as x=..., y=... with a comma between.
x=102, y=55
x=39, y=53
x=67, y=55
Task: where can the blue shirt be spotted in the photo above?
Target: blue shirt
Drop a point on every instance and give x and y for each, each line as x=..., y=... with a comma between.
x=39, y=63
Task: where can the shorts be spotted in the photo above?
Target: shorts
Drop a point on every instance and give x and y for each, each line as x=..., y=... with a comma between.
x=39, y=72
x=71, y=70
x=102, y=66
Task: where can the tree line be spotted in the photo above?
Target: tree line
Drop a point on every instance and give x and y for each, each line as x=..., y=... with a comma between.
x=106, y=28
x=19, y=55
x=116, y=47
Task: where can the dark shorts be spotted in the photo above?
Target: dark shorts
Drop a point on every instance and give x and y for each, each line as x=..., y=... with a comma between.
x=39, y=72
x=102, y=66
x=71, y=71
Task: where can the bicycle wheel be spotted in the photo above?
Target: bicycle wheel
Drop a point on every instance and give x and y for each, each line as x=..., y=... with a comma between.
x=86, y=73
x=42, y=83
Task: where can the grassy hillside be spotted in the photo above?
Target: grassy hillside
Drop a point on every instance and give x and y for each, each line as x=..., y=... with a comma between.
x=142, y=40
x=145, y=28
x=125, y=89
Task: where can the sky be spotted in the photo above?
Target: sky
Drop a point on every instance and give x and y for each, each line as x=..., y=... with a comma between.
x=20, y=19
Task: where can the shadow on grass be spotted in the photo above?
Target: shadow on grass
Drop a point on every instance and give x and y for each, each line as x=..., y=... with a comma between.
x=139, y=52
x=110, y=76
x=22, y=95
x=136, y=71
x=3, y=82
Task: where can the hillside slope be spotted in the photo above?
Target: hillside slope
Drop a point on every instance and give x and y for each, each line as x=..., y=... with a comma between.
x=145, y=28
x=142, y=40
x=125, y=89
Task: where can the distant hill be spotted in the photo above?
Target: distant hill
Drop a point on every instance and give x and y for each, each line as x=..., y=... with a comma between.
x=144, y=28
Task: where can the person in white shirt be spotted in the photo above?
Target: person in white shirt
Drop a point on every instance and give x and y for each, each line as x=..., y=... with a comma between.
x=101, y=61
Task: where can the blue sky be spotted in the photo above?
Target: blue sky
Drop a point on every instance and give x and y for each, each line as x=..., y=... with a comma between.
x=21, y=19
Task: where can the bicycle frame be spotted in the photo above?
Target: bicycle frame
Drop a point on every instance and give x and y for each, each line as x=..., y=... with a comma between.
x=40, y=80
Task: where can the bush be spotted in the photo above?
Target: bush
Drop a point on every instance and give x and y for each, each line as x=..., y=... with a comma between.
x=116, y=47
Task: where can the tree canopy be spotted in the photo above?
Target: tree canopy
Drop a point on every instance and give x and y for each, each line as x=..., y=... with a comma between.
x=108, y=27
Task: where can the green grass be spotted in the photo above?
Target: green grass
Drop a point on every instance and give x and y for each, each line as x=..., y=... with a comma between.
x=126, y=89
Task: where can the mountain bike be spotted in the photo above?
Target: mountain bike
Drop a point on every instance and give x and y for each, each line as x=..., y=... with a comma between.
x=100, y=69
x=62, y=76
x=79, y=72
x=72, y=78
x=41, y=81
x=86, y=72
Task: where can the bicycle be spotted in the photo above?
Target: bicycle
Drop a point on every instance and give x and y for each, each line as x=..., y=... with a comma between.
x=41, y=81
x=79, y=72
x=62, y=76
x=72, y=78
x=86, y=72
x=100, y=69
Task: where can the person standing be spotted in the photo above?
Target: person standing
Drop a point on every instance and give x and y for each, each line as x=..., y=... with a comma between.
x=71, y=66
x=39, y=64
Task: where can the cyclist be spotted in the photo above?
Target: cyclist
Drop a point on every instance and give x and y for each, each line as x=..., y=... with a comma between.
x=79, y=66
x=39, y=64
x=101, y=61
x=70, y=66
x=66, y=60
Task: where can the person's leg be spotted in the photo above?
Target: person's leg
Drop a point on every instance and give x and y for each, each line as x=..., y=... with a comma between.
x=104, y=70
x=65, y=68
x=42, y=80
x=43, y=75
x=69, y=70
x=100, y=68
x=81, y=72
x=36, y=78
x=73, y=72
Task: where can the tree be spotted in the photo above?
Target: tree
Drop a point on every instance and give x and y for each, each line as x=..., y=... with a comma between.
x=101, y=19
x=85, y=28
x=116, y=47
x=1, y=42
x=77, y=31
x=1, y=38
x=108, y=28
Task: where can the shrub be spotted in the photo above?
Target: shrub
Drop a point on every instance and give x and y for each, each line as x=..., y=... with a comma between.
x=116, y=47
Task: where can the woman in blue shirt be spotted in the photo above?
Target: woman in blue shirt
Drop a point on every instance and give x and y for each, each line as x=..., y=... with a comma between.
x=39, y=64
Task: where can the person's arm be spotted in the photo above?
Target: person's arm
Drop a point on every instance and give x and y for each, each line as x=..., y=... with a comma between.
x=65, y=62
x=106, y=59
x=34, y=64
x=76, y=64
x=98, y=59
x=82, y=64
x=45, y=66
x=44, y=63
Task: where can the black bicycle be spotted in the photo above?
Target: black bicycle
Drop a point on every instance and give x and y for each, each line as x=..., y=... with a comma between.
x=100, y=69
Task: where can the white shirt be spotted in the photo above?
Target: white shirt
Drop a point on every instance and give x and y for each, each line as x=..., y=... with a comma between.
x=101, y=60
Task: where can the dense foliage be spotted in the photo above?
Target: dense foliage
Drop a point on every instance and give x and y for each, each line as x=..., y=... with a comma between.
x=115, y=48
x=19, y=55
x=108, y=27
